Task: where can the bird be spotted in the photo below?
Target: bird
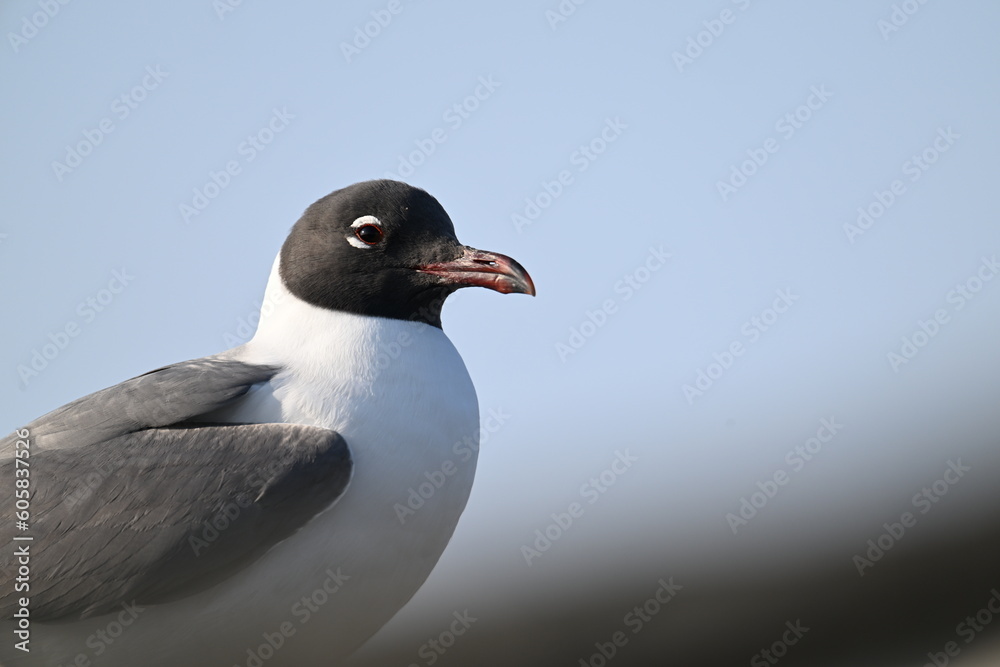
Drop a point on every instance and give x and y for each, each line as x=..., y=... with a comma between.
x=249, y=508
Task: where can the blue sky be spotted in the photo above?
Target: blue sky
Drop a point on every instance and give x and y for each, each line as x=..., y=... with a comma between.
x=739, y=138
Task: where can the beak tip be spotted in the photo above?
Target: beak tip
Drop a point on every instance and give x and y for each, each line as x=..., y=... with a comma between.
x=517, y=281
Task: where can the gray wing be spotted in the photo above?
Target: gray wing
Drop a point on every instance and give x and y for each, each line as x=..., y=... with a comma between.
x=168, y=395
x=133, y=506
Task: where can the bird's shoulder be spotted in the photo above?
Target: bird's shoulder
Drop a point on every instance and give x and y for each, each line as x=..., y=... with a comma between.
x=162, y=397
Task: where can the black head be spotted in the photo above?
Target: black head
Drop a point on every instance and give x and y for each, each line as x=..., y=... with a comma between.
x=387, y=249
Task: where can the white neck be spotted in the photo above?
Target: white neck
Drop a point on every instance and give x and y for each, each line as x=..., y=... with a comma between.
x=309, y=338
x=338, y=366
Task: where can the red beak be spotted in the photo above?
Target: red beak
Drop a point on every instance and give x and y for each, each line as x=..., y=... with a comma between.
x=483, y=269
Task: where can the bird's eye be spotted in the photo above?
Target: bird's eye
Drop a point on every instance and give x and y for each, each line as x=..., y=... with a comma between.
x=369, y=234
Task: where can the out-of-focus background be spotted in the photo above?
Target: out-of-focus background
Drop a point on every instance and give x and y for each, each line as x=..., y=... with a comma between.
x=752, y=416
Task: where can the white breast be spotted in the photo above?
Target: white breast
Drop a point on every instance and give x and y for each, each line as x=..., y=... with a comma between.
x=400, y=395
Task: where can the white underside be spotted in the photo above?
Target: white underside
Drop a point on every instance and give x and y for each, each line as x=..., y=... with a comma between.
x=401, y=397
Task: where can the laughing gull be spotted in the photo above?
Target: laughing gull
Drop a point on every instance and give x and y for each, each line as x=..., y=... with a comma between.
x=243, y=509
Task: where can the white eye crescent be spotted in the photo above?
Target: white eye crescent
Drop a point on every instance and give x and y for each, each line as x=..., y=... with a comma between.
x=367, y=232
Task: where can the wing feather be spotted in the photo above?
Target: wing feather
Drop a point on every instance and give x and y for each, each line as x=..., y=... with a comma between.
x=132, y=501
